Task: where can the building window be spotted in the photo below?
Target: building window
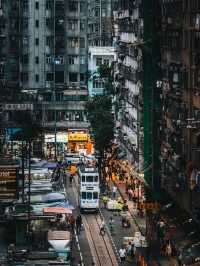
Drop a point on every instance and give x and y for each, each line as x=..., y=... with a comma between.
x=36, y=5
x=48, y=4
x=49, y=76
x=37, y=60
x=59, y=76
x=82, y=42
x=82, y=60
x=24, y=76
x=49, y=40
x=106, y=62
x=98, y=84
x=48, y=59
x=37, y=23
x=82, y=6
x=36, y=41
x=82, y=26
x=73, y=43
x=36, y=78
x=73, y=60
x=82, y=77
x=59, y=60
x=73, y=6
x=73, y=25
x=98, y=61
x=73, y=77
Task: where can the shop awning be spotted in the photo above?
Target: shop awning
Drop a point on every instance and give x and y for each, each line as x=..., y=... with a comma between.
x=56, y=210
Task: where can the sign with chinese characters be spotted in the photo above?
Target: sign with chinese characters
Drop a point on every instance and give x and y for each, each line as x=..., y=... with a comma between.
x=17, y=106
x=78, y=137
x=8, y=183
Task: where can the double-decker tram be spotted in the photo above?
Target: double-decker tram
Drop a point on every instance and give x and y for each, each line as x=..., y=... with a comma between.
x=88, y=188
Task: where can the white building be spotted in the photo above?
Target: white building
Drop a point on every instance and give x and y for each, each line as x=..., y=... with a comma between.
x=98, y=55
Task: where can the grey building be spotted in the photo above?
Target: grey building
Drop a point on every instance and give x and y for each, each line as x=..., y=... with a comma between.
x=44, y=55
x=100, y=22
x=128, y=35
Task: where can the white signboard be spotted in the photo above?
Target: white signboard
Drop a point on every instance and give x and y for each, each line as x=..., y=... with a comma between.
x=18, y=106
x=60, y=138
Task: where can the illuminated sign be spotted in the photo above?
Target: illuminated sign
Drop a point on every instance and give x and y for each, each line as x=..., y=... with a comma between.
x=8, y=183
x=78, y=137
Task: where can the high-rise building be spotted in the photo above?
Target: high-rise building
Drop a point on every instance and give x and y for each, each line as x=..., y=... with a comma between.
x=180, y=150
x=100, y=22
x=44, y=54
x=128, y=36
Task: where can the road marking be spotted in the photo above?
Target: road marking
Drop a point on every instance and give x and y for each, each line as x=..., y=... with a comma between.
x=79, y=249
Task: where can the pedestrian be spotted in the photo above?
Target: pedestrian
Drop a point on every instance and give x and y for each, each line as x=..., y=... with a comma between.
x=102, y=228
x=122, y=254
x=111, y=223
x=114, y=190
x=72, y=222
x=78, y=223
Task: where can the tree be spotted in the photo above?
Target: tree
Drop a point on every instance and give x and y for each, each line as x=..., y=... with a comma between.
x=101, y=119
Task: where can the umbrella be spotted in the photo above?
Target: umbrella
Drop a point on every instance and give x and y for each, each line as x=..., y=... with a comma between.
x=57, y=210
x=53, y=197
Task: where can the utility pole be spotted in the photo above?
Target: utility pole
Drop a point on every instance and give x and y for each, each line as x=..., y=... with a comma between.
x=54, y=89
x=29, y=192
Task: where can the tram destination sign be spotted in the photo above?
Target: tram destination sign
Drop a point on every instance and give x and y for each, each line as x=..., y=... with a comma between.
x=8, y=183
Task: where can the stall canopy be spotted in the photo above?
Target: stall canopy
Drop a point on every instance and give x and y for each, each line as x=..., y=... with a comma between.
x=57, y=210
x=50, y=165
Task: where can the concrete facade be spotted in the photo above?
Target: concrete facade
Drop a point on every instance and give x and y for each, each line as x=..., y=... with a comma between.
x=98, y=56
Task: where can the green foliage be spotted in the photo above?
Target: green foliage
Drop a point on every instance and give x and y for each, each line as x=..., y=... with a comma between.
x=106, y=73
x=100, y=116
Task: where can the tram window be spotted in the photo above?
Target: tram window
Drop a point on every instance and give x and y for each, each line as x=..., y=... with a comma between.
x=89, y=195
x=83, y=195
x=89, y=178
x=96, y=178
x=95, y=195
x=83, y=178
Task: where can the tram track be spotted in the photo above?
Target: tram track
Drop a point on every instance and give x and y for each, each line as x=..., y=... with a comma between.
x=101, y=247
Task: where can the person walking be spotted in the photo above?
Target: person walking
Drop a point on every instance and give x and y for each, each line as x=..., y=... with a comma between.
x=78, y=223
x=122, y=254
x=102, y=228
x=111, y=225
x=72, y=222
x=114, y=190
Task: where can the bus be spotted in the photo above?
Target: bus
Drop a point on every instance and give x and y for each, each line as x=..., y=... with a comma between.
x=88, y=188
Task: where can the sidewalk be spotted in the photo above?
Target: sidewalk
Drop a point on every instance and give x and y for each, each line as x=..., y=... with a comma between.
x=140, y=223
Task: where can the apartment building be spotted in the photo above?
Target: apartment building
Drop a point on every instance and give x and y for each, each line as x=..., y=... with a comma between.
x=100, y=22
x=180, y=150
x=128, y=35
x=44, y=55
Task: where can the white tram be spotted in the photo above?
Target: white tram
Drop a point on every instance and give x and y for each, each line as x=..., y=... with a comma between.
x=88, y=188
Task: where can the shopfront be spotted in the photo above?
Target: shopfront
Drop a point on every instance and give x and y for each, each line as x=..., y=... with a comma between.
x=61, y=140
x=79, y=142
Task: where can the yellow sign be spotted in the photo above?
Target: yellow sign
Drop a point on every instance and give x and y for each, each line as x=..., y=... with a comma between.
x=78, y=137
